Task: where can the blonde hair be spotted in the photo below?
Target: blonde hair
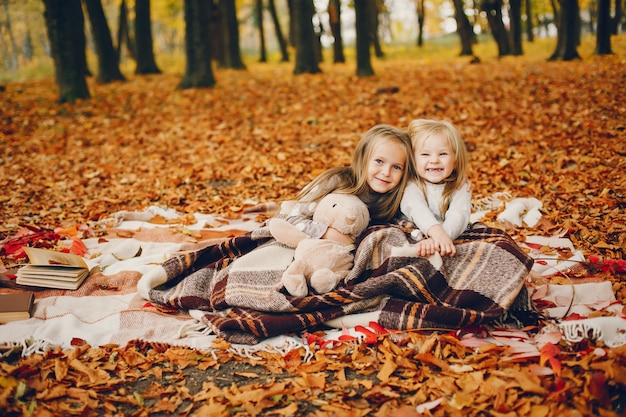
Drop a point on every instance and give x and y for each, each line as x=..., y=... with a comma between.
x=353, y=179
x=422, y=129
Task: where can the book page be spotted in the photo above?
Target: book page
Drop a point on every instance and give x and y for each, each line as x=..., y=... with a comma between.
x=38, y=256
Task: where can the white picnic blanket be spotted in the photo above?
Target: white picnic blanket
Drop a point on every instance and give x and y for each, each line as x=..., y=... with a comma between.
x=107, y=308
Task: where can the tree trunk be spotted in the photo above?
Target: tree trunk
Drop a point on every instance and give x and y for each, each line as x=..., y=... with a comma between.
x=617, y=18
x=216, y=33
x=515, y=15
x=306, y=61
x=421, y=17
x=198, y=71
x=293, y=21
x=5, y=52
x=372, y=16
x=123, y=36
x=318, y=29
x=66, y=31
x=28, y=49
x=529, y=21
x=334, y=15
x=556, y=13
x=363, y=41
x=463, y=28
x=493, y=10
x=232, y=56
x=13, y=62
x=108, y=68
x=279, y=33
x=567, y=36
x=259, y=20
x=603, y=36
x=593, y=17
x=143, y=38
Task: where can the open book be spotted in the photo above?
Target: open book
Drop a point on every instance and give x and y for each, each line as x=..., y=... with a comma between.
x=53, y=269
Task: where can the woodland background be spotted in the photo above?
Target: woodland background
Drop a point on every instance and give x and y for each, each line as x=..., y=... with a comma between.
x=535, y=127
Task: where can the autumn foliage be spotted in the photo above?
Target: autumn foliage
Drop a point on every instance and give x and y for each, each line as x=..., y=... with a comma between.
x=550, y=130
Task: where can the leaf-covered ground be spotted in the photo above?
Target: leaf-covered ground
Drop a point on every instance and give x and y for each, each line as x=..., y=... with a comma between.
x=550, y=130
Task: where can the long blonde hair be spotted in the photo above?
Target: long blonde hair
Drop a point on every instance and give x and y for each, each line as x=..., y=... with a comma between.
x=422, y=129
x=353, y=179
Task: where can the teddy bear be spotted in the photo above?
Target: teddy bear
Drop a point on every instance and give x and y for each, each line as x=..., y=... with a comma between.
x=322, y=263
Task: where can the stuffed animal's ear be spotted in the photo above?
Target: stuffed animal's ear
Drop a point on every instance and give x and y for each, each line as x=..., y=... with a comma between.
x=286, y=233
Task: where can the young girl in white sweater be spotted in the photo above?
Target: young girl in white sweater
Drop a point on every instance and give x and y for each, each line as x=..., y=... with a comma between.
x=438, y=202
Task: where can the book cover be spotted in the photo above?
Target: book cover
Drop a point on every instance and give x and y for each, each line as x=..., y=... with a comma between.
x=53, y=269
x=16, y=306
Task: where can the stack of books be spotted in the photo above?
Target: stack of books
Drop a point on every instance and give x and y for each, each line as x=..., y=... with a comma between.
x=16, y=306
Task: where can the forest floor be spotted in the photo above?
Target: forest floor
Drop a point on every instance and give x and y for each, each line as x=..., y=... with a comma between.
x=550, y=130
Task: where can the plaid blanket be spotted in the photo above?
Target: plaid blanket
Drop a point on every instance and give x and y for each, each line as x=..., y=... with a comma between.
x=237, y=283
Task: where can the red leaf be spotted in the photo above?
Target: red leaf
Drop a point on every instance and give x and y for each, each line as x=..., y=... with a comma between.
x=78, y=342
x=549, y=353
x=78, y=247
x=371, y=338
x=378, y=328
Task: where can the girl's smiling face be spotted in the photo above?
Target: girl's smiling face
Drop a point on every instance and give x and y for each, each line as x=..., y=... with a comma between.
x=435, y=159
x=386, y=166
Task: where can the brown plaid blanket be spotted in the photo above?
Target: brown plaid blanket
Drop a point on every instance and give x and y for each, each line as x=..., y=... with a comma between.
x=237, y=283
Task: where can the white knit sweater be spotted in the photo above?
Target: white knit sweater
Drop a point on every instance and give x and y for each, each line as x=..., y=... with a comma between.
x=425, y=211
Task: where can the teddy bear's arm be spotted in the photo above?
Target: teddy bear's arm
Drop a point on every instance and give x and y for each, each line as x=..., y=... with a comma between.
x=285, y=232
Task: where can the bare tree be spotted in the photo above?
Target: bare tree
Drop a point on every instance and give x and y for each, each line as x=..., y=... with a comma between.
x=230, y=35
x=617, y=17
x=463, y=28
x=216, y=33
x=146, y=63
x=421, y=18
x=123, y=34
x=493, y=10
x=198, y=69
x=567, y=37
x=11, y=58
x=279, y=33
x=529, y=21
x=515, y=17
x=363, y=40
x=372, y=25
x=108, y=67
x=334, y=15
x=306, y=60
x=603, y=35
x=66, y=31
x=258, y=8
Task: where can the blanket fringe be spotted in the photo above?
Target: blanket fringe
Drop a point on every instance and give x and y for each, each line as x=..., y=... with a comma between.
x=194, y=329
x=275, y=345
x=610, y=330
x=27, y=347
x=286, y=345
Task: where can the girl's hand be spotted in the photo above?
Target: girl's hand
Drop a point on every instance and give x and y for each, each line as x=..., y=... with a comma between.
x=443, y=243
x=426, y=248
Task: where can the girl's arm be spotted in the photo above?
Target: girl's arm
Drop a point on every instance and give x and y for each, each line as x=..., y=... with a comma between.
x=415, y=206
x=458, y=215
x=301, y=213
x=456, y=221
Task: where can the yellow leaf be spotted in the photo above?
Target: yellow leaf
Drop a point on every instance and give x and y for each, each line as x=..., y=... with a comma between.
x=387, y=369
